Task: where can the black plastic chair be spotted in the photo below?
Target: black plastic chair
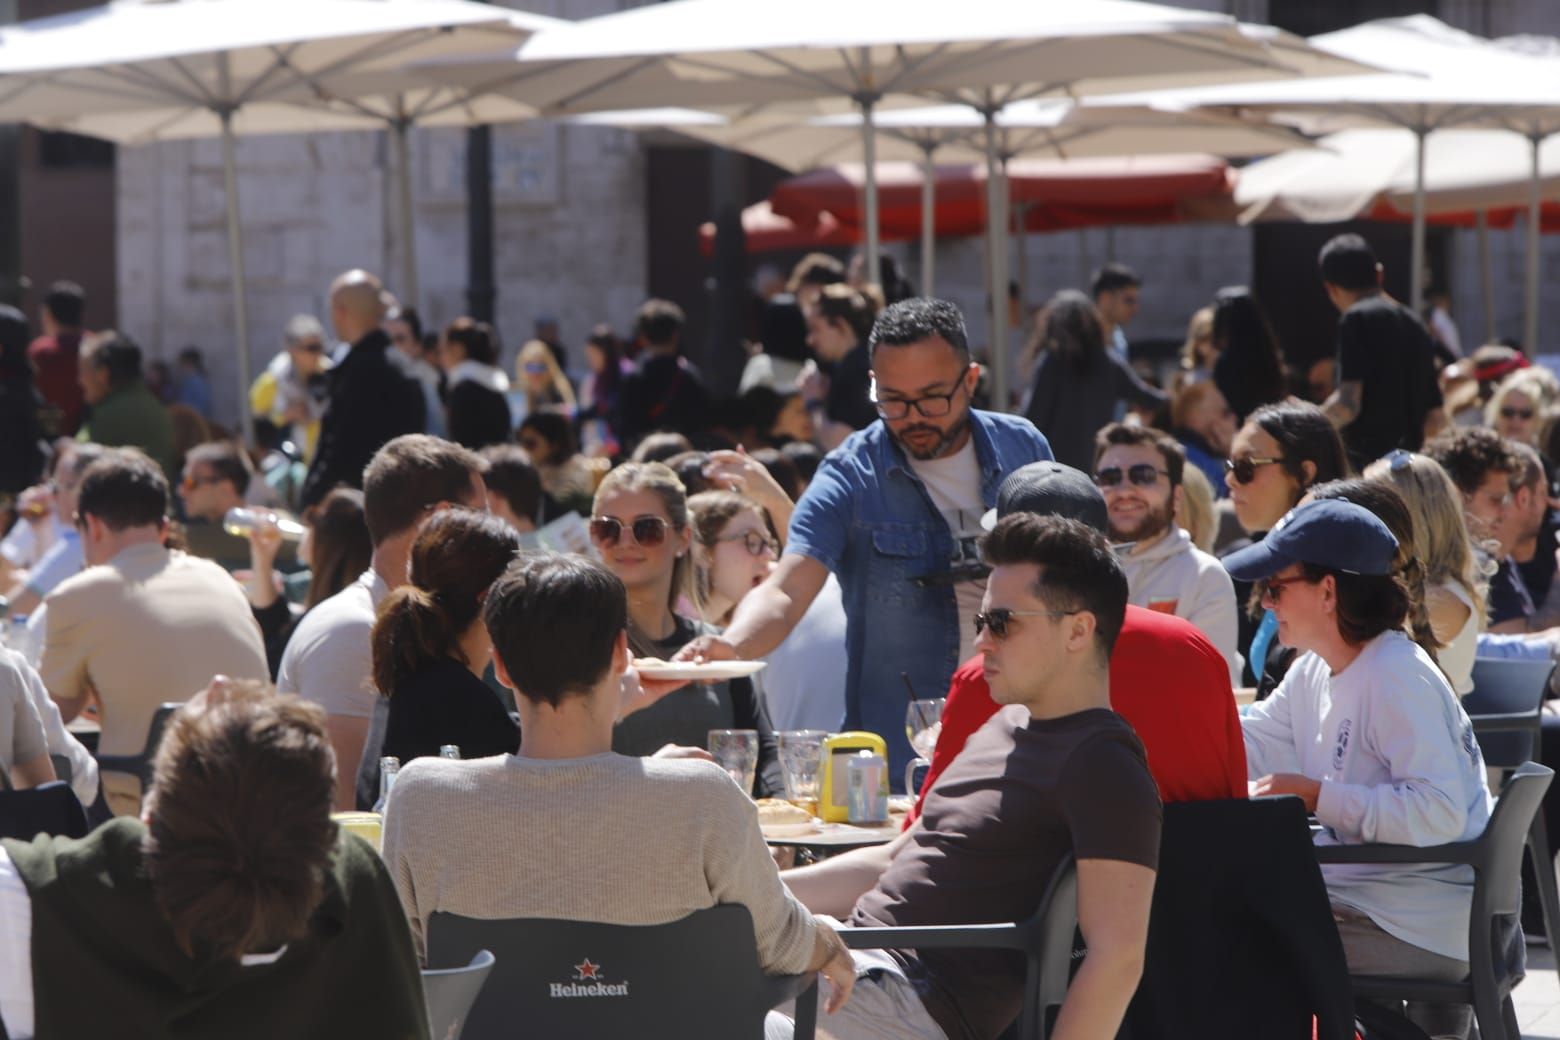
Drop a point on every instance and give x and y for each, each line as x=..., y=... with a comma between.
x=450, y=992
x=585, y=979
x=1046, y=940
x=140, y=765
x=50, y=808
x=1504, y=705
x=1496, y=859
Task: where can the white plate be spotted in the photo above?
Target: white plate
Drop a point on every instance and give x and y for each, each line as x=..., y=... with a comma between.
x=709, y=671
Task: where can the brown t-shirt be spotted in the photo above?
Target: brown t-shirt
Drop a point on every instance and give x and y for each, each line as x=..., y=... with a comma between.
x=1022, y=794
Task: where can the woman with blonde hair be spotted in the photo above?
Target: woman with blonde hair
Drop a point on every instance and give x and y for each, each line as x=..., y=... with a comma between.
x=640, y=525
x=542, y=381
x=1454, y=584
x=1198, y=353
x=1195, y=514
x=1514, y=411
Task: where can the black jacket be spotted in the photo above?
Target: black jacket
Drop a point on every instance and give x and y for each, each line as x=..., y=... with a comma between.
x=479, y=415
x=374, y=398
x=1241, y=941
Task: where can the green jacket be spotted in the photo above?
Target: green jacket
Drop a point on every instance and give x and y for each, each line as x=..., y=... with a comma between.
x=132, y=417
x=105, y=962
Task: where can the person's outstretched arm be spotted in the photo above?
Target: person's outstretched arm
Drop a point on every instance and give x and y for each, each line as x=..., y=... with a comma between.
x=766, y=616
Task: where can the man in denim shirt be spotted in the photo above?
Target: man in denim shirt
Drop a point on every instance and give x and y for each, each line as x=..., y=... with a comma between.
x=895, y=513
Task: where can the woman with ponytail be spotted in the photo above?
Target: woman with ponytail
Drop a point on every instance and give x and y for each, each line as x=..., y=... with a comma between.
x=431, y=648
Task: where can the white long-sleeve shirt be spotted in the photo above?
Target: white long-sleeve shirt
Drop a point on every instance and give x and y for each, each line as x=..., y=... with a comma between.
x=1399, y=764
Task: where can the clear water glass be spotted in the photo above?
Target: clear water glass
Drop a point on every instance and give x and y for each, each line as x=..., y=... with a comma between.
x=736, y=751
x=801, y=756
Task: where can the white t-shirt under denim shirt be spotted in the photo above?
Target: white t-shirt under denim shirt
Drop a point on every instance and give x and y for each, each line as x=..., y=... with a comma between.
x=1399, y=765
x=953, y=482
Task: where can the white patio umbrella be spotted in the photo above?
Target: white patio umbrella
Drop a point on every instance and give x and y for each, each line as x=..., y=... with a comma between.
x=132, y=71
x=825, y=56
x=1444, y=79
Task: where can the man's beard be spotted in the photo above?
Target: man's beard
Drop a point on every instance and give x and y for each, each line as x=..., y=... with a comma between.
x=1154, y=523
x=944, y=441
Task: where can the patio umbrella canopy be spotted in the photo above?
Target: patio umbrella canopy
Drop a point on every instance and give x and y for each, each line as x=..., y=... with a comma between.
x=823, y=56
x=767, y=232
x=135, y=72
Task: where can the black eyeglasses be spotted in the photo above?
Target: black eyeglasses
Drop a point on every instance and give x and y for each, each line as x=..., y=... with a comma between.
x=648, y=531
x=1143, y=475
x=997, y=619
x=1516, y=413
x=930, y=406
x=757, y=543
x=1245, y=470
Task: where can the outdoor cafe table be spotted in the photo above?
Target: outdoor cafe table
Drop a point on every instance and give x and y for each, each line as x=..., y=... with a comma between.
x=838, y=837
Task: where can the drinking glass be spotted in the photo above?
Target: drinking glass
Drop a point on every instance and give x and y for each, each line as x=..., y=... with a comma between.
x=923, y=725
x=736, y=751
x=801, y=754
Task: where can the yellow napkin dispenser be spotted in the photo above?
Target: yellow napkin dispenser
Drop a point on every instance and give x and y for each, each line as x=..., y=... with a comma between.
x=834, y=780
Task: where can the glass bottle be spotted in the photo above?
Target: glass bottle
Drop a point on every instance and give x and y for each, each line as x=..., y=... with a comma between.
x=449, y=751
x=240, y=520
x=389, y=766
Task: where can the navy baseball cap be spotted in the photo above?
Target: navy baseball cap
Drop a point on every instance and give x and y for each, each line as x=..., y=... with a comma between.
x=1330, y=533
x=1049, y=489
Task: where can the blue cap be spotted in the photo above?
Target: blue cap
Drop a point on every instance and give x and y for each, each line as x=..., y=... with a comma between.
x=1330, y=533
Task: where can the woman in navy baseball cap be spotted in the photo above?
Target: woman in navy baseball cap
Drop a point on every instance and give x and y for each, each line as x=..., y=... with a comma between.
x=1366, y=730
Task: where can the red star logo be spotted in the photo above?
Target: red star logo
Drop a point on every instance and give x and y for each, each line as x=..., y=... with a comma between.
x=587, y=970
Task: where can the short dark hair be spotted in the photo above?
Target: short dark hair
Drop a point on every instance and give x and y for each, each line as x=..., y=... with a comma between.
x=227, y=460
x=840, y=302
x=239, y=837
x=919, y=318
x=557, y=430
x=508, y=470
x=476, y=338
x=1305, y=434
x=66, y=303
x=1471, y=453
x=410, y=475
x=1530, y=467
x=1143, y=436
x=116, y=353
x=124, y=489
x=658, y=447
x=659, y=322
x=554, y=621
x=1078, y=568
x=1348, y=262
x=1111, y=277
x=410, y=317
x=815, y=269
x=806, y=457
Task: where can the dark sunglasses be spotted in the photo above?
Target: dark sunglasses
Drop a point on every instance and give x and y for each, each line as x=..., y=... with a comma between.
x=997, y=619
x=312, y=348
x=1245, y=470
x=648, y=531
x=1516, y=413
x=1143, y=475
x=755, y=542
x=1273, y=591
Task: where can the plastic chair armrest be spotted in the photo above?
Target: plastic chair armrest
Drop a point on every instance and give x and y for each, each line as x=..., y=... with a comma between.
x=939, y=937
x=1506, y=722
x=1459, y=852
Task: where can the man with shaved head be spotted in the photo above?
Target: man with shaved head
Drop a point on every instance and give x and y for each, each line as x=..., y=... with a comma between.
x=374, y=394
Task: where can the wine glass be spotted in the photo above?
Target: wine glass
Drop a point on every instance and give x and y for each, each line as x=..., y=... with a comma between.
x=923, y=725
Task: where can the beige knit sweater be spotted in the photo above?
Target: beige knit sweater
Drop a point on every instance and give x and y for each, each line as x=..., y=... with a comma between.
x=607, y=838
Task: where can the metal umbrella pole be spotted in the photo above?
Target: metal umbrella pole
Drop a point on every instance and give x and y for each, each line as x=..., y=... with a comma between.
x=928, y=219
x=1486, y=276
x=1416, y=265
x=996, y=245
x=400, y=131
x=1534, y=215
x=235, y=252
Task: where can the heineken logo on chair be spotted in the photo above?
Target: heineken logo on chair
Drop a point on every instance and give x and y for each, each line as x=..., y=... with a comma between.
x=588, y=982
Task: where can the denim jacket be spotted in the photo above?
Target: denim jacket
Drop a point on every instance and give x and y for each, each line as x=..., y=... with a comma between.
x=868, y=518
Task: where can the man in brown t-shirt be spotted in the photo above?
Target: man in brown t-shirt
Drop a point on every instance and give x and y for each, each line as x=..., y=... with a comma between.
x=1055, y=771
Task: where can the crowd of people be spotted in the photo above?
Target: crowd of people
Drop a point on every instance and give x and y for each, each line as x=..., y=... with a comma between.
x=1094, y=581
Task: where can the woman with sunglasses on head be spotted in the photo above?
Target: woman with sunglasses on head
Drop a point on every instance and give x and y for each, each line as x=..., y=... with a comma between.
x=734, y=550
x=1367, y=732
x=1454, y=582
x=641, y=527
x=1077, y=383
x=1282, y=450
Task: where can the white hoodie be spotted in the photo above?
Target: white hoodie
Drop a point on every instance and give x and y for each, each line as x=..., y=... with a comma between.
x=1175, y=577
x=1398, y=763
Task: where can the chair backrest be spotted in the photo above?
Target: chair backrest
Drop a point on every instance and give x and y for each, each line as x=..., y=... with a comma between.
x=140, y=765
x=1498, y=885
x=586, y=979
x=1502, y=687
x=50, y=808
x=450, y=992
x=1056, y=930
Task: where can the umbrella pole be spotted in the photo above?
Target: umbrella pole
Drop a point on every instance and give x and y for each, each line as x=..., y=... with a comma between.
x=873, y=272
x=996, y=245
x=236, y=266
x=928, y=220
x=1486, y=276
x=1530, y=329
x=400, y=129
x=1021, y=240
x=1416, y=267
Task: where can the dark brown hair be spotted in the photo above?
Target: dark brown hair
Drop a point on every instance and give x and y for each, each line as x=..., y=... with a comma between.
x=239, y=835
x=555, y=620
x=1305, y=434
x=1143, y=436
x=339, y=547
x=409, y=476
x=226, y=460
x=509, y=471
x=457, y=555
x=124, y=489
x=1078, y=569
x=476, y=338
x=844, y=304
x=1471, y=454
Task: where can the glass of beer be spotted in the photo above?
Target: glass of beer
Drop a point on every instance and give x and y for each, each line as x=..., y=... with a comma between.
x=801, y=755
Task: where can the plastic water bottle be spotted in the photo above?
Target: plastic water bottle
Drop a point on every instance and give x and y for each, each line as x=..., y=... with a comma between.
x=240, y=520
x=389, y=766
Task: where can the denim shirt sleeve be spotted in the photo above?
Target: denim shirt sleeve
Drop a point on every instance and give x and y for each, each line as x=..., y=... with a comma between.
x=820, y=523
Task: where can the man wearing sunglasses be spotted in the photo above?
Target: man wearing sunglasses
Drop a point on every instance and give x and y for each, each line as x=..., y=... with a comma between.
x=1139, y=469
x=894, y=513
